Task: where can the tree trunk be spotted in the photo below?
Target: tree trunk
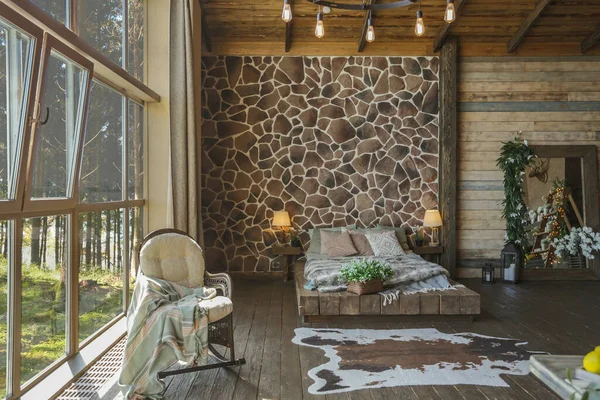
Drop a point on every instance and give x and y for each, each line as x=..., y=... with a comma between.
x=35, y=240
x=88, y=240
x=107, y=239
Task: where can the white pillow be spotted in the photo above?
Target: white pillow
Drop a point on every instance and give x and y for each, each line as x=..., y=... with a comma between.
x=384, y=243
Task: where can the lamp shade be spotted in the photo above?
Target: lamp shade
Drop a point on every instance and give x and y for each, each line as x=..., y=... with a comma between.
x=281, y=218
x=432, y=218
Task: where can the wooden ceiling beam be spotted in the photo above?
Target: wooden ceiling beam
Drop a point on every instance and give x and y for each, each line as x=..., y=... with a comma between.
x=206, y=37
x=441, y=37
x=590, y=41
x=526, y=25
x=363, y=36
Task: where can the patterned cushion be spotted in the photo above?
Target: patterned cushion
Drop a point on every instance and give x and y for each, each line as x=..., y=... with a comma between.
x=337, y=244
x=361, y=243
x=385, y=243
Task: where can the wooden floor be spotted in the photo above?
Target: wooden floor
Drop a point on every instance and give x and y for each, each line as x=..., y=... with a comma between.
x=557, y=317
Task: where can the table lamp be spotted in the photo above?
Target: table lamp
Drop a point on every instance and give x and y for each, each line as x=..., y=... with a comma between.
x=433, y=220
x=281, y=219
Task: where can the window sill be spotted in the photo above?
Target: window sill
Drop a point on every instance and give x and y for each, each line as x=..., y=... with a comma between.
x=73, y=368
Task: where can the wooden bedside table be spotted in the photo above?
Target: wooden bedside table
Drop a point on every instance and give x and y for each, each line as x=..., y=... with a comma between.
x=430, y=252
x=287, y=252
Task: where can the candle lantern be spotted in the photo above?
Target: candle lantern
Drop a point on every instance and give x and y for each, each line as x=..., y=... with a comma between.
x=511, y=258
x=487, y=273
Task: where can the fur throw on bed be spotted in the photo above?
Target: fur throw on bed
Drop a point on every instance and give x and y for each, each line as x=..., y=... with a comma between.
x=412, y=274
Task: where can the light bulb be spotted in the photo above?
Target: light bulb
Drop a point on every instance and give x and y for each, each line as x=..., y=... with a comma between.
x=420, y=26
x=370, y=32
x=286, y=15
x=320, y=29
x=450, y=14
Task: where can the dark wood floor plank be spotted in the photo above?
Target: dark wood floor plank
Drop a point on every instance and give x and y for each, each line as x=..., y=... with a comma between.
x=291, y=375
x=269, y=386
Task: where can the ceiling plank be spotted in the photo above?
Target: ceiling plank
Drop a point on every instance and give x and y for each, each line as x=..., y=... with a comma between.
x=441, y=37
x=526, y=25
x=205, y=30
x=363, y=36
x=590, y=41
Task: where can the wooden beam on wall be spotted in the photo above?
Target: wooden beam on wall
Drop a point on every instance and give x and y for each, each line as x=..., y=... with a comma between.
x=448, y=145
x=441, y=37
x=363, y=36
x=205, y=30
x=590, y=41
x=526, y=24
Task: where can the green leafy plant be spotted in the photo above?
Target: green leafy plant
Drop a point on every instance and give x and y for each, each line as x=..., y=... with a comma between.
x=515, y=156
x=366, y=270
x=591, y=392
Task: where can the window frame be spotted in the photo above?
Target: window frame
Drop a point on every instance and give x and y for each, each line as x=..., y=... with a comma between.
x=50, y=204
x=37, y=34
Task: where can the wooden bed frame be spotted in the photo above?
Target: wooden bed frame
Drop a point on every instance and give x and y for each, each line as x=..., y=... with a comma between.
x=313, y=306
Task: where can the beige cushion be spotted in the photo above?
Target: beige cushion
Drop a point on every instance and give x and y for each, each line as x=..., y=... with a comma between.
x=385, y=243
x=175, y=258
x=218, y=308
x=361, y=243
x=337, y=244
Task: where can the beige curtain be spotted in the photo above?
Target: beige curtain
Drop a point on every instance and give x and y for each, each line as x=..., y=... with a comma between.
x=185, y=178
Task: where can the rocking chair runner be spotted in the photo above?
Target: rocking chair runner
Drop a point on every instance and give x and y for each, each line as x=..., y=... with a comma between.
x=172, y=255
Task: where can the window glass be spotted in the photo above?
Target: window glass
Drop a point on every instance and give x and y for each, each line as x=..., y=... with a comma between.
x=44, y=292
x=62, y=103
x=58, y=9
x=4, y=248
x=136, y=235
x=135, y=37
x=16, y=53
x=100, y=24
x=101, y=267
x=135, y=143
x=102, y=165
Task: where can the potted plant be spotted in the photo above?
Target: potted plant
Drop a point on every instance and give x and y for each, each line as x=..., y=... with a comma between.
x=294, y=238
x=545, y=243
x=365, y=276
x=419, y=238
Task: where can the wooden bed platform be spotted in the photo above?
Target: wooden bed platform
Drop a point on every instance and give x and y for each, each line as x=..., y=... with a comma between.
x=459, y=304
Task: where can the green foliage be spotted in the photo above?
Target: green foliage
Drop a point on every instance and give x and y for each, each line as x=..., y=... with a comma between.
x=366, y=270
x=591, y=392
x=515, y=156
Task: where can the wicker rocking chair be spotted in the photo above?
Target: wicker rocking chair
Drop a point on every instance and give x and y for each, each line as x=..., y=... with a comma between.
x=172, y=255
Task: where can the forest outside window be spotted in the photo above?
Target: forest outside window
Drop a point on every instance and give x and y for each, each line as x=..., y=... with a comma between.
x=69, y=237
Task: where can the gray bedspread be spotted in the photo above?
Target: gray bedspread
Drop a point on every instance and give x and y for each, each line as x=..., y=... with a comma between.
x=412, y=274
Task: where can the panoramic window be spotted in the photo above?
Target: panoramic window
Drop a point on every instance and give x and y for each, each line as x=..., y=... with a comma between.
x=16, y=56
x=57, y=9
x=101, y=169
x=101, y=24
x=62, y=109
x=44, y=292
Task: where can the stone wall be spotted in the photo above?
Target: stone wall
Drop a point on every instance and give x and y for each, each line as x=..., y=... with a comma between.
x=333, y=140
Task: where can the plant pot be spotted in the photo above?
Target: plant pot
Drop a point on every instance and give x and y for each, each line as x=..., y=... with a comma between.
x=361, y=288
x=419, y=242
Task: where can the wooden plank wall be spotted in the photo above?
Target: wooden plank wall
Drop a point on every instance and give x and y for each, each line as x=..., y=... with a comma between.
x=551, y=100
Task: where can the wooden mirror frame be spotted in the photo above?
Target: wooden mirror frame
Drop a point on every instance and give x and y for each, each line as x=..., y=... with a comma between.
x=591, y=213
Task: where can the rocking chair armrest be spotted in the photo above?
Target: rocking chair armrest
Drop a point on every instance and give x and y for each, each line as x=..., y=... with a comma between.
x=219, y=281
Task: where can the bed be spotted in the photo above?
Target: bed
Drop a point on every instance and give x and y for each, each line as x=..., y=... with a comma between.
x=418, y=290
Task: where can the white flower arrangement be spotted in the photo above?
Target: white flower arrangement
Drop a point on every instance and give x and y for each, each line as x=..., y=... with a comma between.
x=579, y=242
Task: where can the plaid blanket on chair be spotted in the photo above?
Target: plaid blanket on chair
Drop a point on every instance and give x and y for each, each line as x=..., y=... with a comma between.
x=166, y=323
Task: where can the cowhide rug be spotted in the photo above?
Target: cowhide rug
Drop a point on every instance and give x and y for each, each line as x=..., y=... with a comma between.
x=370, y=358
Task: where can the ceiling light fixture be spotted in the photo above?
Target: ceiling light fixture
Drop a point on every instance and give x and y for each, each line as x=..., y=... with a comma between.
x=420, y=25
x=320, y=29
x=450, y=14
x=370, y=30
x=286, y=15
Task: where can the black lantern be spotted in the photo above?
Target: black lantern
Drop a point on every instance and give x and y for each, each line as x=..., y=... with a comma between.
x=512, y=260
x=487, y=273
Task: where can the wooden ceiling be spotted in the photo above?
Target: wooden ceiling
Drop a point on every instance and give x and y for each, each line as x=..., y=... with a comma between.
x=484, y=27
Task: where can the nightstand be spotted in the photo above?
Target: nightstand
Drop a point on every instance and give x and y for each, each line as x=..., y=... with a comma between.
x=430, y=252
x=287, y=252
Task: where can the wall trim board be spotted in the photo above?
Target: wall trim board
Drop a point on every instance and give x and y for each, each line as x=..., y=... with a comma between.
x=529, y=59
x=530, y=106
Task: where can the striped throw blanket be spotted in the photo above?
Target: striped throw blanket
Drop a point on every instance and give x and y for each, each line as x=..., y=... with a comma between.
x=166, y=323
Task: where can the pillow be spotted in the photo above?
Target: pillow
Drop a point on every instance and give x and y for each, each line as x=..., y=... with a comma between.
x=385, y=243
x=361, y=243
x=315, y=238
x=337, y=244
x=400, y=234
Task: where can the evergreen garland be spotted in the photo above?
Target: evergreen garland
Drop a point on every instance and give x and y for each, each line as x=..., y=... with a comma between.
x=515, y=155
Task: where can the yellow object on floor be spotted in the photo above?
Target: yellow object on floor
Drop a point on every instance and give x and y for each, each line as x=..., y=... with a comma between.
x=591, y=362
